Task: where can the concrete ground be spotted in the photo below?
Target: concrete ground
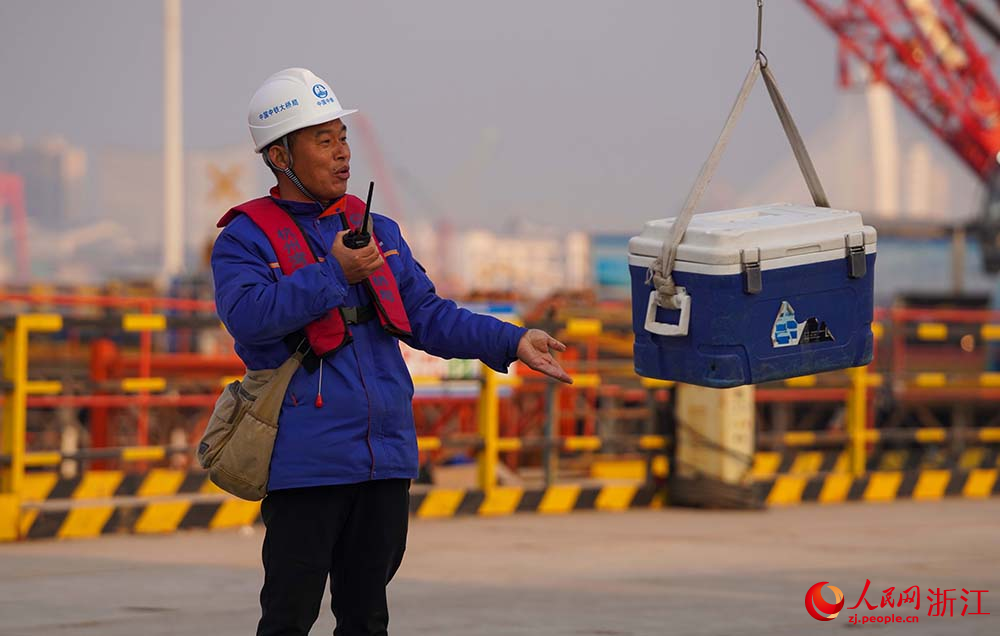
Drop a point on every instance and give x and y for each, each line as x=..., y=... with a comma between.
x=642, y=572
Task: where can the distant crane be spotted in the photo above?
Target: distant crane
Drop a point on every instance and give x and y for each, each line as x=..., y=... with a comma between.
x=923, y=51
x=379, y=167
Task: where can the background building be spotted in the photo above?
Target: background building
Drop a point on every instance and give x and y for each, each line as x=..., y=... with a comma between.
x=54, y=174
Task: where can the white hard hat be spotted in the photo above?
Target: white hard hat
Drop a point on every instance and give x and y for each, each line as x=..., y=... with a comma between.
x=288, y=101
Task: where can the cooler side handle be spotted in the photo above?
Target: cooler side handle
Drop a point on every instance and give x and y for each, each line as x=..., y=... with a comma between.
x=666, y=329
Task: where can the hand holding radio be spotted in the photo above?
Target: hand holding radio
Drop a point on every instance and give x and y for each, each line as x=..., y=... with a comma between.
x=358, y=264
x=354, y=250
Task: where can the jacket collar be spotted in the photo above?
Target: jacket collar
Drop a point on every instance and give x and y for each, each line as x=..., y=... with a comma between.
x=308, y=209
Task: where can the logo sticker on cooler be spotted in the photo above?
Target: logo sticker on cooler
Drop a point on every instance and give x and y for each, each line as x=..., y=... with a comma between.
x=788, y=332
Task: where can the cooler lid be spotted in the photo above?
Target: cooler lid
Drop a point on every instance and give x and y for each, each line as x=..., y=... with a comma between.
x=777, y=229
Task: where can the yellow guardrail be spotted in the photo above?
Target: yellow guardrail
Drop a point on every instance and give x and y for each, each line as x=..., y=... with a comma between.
x=801, y=382
x=989, y=332
x=857, y=416
x=583, y=328
x=932, y=331
x=15, y=409
x=136, y=385
x=144, y=322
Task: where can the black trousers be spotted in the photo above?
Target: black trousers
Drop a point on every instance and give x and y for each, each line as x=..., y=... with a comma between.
x=355, y=534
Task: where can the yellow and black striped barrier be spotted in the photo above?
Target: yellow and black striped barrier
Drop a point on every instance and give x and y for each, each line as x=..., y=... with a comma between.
x=139, y=516
x=558, y=499
x=794, y=461
x=879, y=486
x=107, y=484
x=147, y=515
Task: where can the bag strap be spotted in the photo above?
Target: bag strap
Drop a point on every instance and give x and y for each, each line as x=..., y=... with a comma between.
x=294, y=361
x=660, y=272
x=268, y=404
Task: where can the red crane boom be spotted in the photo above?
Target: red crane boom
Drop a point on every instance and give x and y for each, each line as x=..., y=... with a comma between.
x=924, y=52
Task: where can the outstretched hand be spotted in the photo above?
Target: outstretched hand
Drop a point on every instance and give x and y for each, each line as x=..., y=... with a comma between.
x=534, y=350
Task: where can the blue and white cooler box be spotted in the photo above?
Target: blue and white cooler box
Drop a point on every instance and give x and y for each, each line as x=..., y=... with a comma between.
x=773, y=292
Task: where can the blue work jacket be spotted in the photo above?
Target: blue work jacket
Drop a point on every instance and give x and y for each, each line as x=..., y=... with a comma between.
x=364, y=429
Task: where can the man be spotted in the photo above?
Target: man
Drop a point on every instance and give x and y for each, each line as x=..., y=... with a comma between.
x=338, y=491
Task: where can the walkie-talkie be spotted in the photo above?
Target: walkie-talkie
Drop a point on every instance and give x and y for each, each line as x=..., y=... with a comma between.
x=359, y=237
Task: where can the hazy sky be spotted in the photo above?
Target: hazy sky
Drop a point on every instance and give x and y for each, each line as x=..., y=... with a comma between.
x=581, y=113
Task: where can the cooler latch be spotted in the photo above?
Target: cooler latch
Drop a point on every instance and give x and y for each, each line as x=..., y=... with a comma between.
x=752, y=281
x=857, y=264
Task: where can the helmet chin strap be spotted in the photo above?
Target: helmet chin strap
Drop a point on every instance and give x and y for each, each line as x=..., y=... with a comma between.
x=291, y=175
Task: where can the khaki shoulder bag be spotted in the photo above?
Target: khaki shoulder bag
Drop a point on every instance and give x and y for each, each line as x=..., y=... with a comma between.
x=237, y=444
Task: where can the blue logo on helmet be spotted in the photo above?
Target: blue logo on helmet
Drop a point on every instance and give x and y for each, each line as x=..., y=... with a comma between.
x=320, y=91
